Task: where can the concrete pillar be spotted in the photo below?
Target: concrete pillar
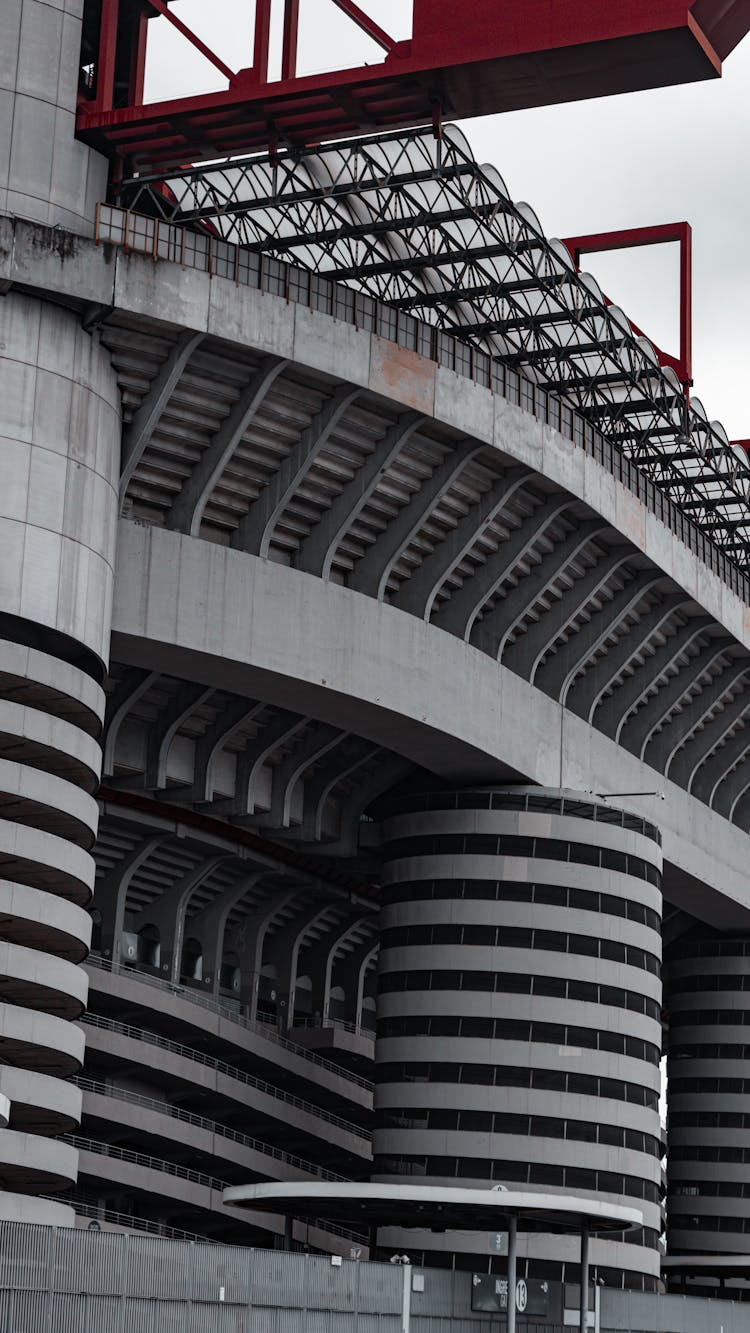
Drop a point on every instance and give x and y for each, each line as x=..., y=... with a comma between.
x=707, y=982
x=519, y=1020
x=46, y=175
x=59, y=461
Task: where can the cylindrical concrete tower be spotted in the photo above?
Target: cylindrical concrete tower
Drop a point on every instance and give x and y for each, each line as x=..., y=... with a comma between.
x=46, y=175
x=519, y=1026
x=59, y=456
x=707, y=986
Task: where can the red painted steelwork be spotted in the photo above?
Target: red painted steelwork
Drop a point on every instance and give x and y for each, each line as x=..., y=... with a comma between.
x=465, y=58
x=325, y=870
x=161, y=7
x=634, y=238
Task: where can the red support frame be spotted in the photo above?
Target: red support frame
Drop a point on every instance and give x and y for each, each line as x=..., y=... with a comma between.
x=464, y=58
x=107, y=55
x=633, y=238
x=367, y=24
x=138, y=59
x=162, y=9
x=291, y=35
x=262, y=40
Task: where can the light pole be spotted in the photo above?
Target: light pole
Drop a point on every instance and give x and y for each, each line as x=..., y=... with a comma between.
x=584, y=1279
x=512, y=1256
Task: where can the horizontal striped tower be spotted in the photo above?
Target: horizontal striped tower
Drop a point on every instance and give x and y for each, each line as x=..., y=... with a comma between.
x=59, y=455
x=707, y=986
x=519, y=1022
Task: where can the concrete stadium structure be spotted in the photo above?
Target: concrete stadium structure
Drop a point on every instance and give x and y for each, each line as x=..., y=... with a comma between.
x=370, y=644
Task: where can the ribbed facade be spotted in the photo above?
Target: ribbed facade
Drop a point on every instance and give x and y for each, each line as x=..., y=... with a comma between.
x=59, y=456
x=519, y=1022
x=49, y=715
x=708, y=995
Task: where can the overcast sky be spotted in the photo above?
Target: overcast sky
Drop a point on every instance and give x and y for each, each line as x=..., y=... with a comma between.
x=666, y=156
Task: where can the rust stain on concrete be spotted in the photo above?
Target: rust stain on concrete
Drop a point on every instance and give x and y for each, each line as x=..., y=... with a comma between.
x=400, y=373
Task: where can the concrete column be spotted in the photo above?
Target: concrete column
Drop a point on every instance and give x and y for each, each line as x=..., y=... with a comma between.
x=46, y=175
x=59, y=460
x=519, y=1020
x=707, y=980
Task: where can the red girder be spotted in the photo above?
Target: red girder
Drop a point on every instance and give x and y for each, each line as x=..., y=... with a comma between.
x=634, y=238
x=465, y=58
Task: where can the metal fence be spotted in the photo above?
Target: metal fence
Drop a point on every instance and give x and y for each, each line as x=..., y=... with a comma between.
x=74, y=1281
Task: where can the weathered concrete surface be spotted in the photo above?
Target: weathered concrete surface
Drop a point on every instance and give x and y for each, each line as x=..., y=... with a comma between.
x=86, y=275
x=270, y=632
x=45, y=174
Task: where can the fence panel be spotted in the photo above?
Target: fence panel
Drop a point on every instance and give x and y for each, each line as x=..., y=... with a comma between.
x=87, y=1261
x=25, y=1255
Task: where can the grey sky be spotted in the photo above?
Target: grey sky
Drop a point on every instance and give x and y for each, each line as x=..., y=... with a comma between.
x=663, y=156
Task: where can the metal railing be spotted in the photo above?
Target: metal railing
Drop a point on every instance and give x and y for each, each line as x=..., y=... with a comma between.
x=340, y=1024
x=221, y=1067
x=145, y=1159
x=114, y=1218
x=174, y=1169
x=260, y=1027
x=201, y=1122
x=209, y=254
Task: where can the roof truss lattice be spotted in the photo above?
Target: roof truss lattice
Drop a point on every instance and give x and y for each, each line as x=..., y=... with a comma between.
x=416, y=222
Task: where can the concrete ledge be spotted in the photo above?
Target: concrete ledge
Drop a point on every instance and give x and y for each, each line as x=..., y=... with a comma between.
x=39, y=1098
x=73, y=754
x=55, y=677
x=47, y=1043
x=39, y=1212
x=42, y=920
x=30, y=977
x=37, y=1162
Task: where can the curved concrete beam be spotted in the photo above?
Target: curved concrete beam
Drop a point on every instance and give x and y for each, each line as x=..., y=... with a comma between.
x=368, y=668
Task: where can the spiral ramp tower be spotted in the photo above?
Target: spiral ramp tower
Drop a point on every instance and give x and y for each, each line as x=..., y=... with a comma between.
x=519, y=1020
x=706, y=985
x=59, y=458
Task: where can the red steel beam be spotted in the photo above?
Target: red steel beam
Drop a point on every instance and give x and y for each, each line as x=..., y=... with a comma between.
x=107, y=56
x=291, y=35
x=138, y=59
x=367, y=24
x=162, y=9
x=465, y=57
x=218, y=828
x=262, y=39
x=635, y=238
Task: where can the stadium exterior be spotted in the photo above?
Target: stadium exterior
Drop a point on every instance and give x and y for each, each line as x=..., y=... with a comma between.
x=373, y=665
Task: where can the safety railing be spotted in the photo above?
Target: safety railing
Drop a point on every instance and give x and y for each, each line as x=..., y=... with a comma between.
x=176, y=1170
x=339, y=1024
x=209, y=254
x=201, y=1122
x=222, y=1067
x=258, y=1026
x=127, y=1220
